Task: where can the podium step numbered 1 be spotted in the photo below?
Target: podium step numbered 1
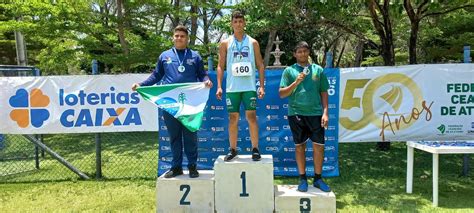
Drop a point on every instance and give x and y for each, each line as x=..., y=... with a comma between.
x=241, y=185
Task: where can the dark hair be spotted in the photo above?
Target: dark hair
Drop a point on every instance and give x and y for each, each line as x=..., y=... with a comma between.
x=301, y=44
x=237, y=14
x=181, y=28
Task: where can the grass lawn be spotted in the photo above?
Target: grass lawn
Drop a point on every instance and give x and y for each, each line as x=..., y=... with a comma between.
x=370, y=181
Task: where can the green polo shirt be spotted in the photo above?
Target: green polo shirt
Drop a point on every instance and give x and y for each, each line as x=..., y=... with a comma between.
x=306, y=98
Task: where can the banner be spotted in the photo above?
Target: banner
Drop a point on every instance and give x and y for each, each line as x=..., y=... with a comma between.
x=185, y=101
x=407, y=103
x=275, y=137
x=74, y=104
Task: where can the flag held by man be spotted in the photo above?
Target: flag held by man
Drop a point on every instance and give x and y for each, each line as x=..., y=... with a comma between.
x=185, y=101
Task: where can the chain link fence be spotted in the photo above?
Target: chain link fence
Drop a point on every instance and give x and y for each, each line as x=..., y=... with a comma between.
x=124, y=155
x=116, y=156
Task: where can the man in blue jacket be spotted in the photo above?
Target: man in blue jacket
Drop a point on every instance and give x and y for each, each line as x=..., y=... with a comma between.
x=179, y=65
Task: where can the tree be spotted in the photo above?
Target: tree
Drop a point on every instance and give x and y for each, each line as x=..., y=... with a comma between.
x=383, y=27
x=122, y=35
x=422, y=10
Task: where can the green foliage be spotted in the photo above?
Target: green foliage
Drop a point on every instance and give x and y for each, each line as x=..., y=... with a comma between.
x=63, y=37
x=66, y=35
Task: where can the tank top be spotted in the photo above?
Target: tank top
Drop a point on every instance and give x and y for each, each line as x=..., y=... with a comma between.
x=240, y=59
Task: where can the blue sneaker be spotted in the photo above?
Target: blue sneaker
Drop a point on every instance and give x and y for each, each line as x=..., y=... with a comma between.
x=320, y=184
x=303, y=186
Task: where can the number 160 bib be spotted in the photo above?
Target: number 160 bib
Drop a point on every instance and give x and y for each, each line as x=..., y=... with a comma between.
x=242, y=69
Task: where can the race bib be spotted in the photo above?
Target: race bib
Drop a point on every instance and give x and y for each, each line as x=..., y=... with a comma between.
x=240, y=69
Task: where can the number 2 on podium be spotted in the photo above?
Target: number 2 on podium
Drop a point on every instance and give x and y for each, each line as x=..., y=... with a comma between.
x=186, y=189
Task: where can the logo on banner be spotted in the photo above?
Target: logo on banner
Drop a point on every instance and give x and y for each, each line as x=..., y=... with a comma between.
x=81, y=113
x=29, y=108
x=442, y=128
x=398, y=100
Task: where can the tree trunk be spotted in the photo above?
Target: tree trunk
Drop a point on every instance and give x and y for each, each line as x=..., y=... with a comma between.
x=359, y=53
x=412, y=44
x=194, y=24
x=206, y=24
x=384, y=30
x=268, y=48
x=342, y=52
x=121, y=33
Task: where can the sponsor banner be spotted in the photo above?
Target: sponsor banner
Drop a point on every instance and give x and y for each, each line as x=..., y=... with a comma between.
x=275, y=137
x=74, y=104
x=416, y=102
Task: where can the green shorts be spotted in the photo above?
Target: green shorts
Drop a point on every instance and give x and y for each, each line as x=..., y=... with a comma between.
x=234, y=99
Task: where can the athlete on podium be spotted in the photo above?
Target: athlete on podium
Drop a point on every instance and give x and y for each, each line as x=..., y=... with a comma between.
x=306, y=87
x=240, y=55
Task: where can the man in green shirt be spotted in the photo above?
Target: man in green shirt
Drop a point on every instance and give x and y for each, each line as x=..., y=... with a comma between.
x=306, y=87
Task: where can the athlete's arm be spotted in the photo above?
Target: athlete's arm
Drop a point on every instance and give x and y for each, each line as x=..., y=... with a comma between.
x=324, y=102
x=260, y=67
x=286, y=91
x=155, y=76
x=221, y=67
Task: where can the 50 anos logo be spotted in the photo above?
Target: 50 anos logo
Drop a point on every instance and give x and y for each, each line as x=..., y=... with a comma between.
x=392, y=101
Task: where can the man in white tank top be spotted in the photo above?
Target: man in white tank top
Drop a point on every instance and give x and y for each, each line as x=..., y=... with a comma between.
x=240, y=55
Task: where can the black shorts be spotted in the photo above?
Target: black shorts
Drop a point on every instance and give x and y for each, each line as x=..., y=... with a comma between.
x=304, y=127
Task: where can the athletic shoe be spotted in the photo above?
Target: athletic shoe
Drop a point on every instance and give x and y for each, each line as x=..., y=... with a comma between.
x=231, y=155
x=173, y=172
x=256, y=155
x=193, y=172
x=320, y=184
x=303, y=186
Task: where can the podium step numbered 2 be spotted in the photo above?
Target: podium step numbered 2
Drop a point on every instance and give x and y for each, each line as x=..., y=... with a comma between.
x=241, y=185
x=184, y=194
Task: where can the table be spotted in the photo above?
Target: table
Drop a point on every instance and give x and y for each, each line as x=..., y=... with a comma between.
x=435, y=148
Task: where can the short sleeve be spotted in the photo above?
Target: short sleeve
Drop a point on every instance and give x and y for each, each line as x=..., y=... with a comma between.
x=324, y=82
x=285, y=78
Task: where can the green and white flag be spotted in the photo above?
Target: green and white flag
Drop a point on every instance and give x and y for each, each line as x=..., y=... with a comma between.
x=184, y=101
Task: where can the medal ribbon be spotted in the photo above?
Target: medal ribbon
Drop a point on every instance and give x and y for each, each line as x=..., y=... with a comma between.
x=241, y=46
x=177, y=56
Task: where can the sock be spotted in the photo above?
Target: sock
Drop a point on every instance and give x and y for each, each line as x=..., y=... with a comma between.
x=317, y=176
x=303, y=176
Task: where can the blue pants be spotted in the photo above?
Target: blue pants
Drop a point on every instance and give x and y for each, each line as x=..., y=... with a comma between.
x=180, y=136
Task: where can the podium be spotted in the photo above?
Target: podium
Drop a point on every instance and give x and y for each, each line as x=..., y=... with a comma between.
x=288, y=199
x=185, y=194
x=243, y=185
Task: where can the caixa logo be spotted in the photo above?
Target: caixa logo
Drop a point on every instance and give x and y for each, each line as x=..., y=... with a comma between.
x=85, y=112
x=29, y=107
x=167, y=159
x=165, y=148
x=165, y=167
x=167, y=139
x=329, y=148
x=272, y=149
x=328, y=168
